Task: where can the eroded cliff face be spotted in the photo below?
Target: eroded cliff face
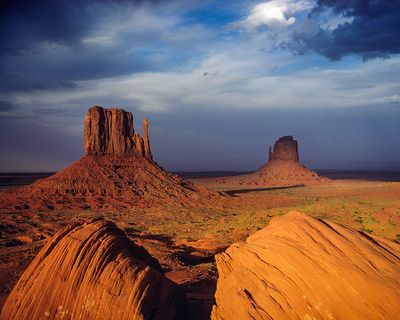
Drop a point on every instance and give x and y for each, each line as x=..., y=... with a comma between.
x=90, y=270
x=285, y=148
x=299, y=267
x=111, y=132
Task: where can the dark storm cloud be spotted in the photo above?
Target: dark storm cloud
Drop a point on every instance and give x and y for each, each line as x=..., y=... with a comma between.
x=6, y=106
x=18, y=81
x=25, y=23
x=372, y=30
x=42, y=43
x=59, y=70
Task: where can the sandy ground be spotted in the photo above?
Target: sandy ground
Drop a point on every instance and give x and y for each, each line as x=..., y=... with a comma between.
x=185, y=238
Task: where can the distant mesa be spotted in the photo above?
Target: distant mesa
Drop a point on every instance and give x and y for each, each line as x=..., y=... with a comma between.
x=299, y=267
x=90, y=270
x=117, y=171
x=283, y=168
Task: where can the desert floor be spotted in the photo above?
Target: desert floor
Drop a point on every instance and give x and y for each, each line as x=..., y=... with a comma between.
x=185, y=239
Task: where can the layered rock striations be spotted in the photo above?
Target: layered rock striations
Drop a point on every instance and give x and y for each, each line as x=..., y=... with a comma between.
x=117, y=171
x=111, y=132
x=90, y=270
x=299, y=267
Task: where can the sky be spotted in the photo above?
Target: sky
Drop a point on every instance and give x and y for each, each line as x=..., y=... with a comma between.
x=219, y=80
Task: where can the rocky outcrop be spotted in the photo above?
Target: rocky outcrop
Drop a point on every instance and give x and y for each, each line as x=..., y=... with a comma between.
x=117, y=171
x=282, y=169
x=283, y=166
x=284, y=149
x=108, y=132
x=299, y=267
x=111, y=132
x=146, y=140
x=90, y=270
x=101, y=182
x=286, y=172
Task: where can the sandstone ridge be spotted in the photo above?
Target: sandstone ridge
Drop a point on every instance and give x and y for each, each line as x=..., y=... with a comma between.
x=299, y=267
x=90, y=270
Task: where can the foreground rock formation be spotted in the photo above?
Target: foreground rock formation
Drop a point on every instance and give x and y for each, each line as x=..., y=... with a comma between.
x=117, y=171
x=90, y=270
x=282, y=169
x=299, y=267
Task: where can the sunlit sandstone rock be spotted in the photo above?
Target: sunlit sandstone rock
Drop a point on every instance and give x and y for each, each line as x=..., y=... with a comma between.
x=90, y=270
x=299, y=267
x=111, y=132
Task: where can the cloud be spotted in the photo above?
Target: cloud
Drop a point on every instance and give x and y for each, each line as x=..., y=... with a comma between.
x=275, y=14
x=393, y=99
x=210, y=74
x=368, y=29
x=26, y=23
x=18, y=81
x=6, y=106
x=244, y=80
x=53, y=44
x=244, y=102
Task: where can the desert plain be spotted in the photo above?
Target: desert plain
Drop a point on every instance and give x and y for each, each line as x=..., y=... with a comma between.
x=184, y=236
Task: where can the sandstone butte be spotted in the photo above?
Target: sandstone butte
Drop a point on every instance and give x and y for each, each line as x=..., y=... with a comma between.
x=283, y=168
x=90, y=270
x=111, y=132
x=299, y=267
x=283, y=165
x=117, y=171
